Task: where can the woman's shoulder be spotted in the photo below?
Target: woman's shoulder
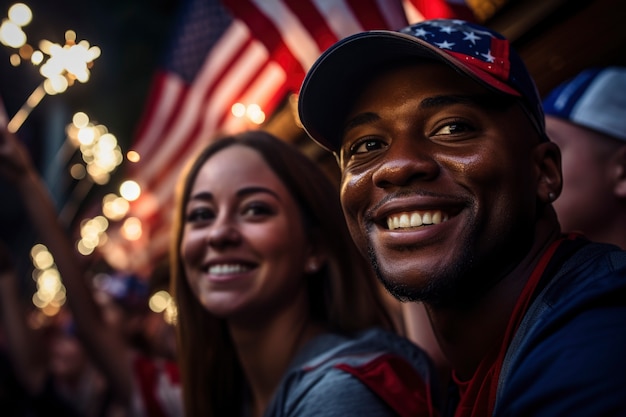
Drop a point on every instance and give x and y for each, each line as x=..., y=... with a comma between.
x=330, y=349
x=372, y=370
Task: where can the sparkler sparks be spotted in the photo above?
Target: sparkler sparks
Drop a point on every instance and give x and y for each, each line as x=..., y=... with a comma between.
x=66, y=64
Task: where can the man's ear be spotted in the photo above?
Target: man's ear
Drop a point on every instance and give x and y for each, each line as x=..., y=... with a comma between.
x=618, y=172
x=547, y=157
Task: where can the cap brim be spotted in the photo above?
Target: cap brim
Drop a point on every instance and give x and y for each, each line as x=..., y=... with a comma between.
x=337, y=75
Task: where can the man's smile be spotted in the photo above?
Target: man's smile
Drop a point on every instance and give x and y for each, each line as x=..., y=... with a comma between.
x=415, y=219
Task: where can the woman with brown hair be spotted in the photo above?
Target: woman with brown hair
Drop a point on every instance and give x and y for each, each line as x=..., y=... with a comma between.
x=278, y=314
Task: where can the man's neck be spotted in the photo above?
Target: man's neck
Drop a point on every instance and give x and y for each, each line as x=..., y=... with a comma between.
x=467, y=334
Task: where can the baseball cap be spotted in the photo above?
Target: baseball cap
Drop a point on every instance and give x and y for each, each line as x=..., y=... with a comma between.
x=480, y=53
x=595, y=98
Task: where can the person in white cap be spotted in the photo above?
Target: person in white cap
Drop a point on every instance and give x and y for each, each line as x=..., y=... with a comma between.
x=586, y=117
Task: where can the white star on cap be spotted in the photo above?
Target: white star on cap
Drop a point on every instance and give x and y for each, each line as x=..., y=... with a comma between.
x=489, y=57
x=445, y=45
x=471, y=36
x=448, y=29
x=421, y=33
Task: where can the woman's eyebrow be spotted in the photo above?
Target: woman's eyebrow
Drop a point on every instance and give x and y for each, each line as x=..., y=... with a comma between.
x=202, y=196
x=208, y=196
x=256, y=189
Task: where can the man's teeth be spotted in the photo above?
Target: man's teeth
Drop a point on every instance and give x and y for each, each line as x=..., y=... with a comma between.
x=225, y=269
x=415, y=219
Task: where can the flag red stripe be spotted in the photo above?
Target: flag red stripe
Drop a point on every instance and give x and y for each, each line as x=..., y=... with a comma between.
x=434, y=9
x=315, y=23
x=362, y=10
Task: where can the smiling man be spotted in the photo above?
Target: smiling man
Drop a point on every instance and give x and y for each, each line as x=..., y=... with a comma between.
x=448, y=180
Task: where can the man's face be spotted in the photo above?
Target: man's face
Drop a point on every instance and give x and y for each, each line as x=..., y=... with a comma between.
x=438, y=182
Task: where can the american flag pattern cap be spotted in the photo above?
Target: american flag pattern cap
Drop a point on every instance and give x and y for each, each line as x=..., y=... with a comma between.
x=477, y=51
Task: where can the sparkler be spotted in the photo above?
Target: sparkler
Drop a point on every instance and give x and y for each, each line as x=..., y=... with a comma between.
x=66, y=64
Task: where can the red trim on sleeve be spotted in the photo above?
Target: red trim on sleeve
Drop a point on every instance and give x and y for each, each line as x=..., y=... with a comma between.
x=397, y=383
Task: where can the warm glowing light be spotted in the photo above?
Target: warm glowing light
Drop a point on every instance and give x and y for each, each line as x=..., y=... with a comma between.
x=159, y=301
x=107, y=142
x=132, y=229
x=20, y=14
x=91, y=232
x=118, y=257
x=50, y=310
x=37, y=248
x=55, y=84
x=162, y=302
x=86, y=136
x=133, y=156
x=50, y=292
x=11, y=34
x=38, y=302
x=114, y=207
x=43, y=260
x=98, y=175
x=77, y=171
x=66, y=64
x=255, y=114
x=94, y=226
x=252, y=112
x=238, y=110
x=70, y=61
x=70, y=36
x=130, y=190
x=80, y=119
x=26, y=51
x=83, y=249
x=49, y=283
x=37, y=57
x=99, y=148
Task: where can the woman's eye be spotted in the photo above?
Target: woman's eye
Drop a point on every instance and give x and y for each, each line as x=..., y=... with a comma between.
x=201, y=214
x=366, y=146
x=453, y=129
x=257, y=209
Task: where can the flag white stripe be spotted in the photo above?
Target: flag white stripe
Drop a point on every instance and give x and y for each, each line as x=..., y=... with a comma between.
x=412, y=14
x=339, y=17
x=293, y=32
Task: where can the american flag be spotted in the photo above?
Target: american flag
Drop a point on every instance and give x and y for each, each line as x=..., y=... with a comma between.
x=239, y=51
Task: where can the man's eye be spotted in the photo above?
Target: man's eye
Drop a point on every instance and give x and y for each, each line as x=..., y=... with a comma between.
x=366, y=146
x=453, y=129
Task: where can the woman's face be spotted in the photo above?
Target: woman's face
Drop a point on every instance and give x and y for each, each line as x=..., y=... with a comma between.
x=243, y=247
